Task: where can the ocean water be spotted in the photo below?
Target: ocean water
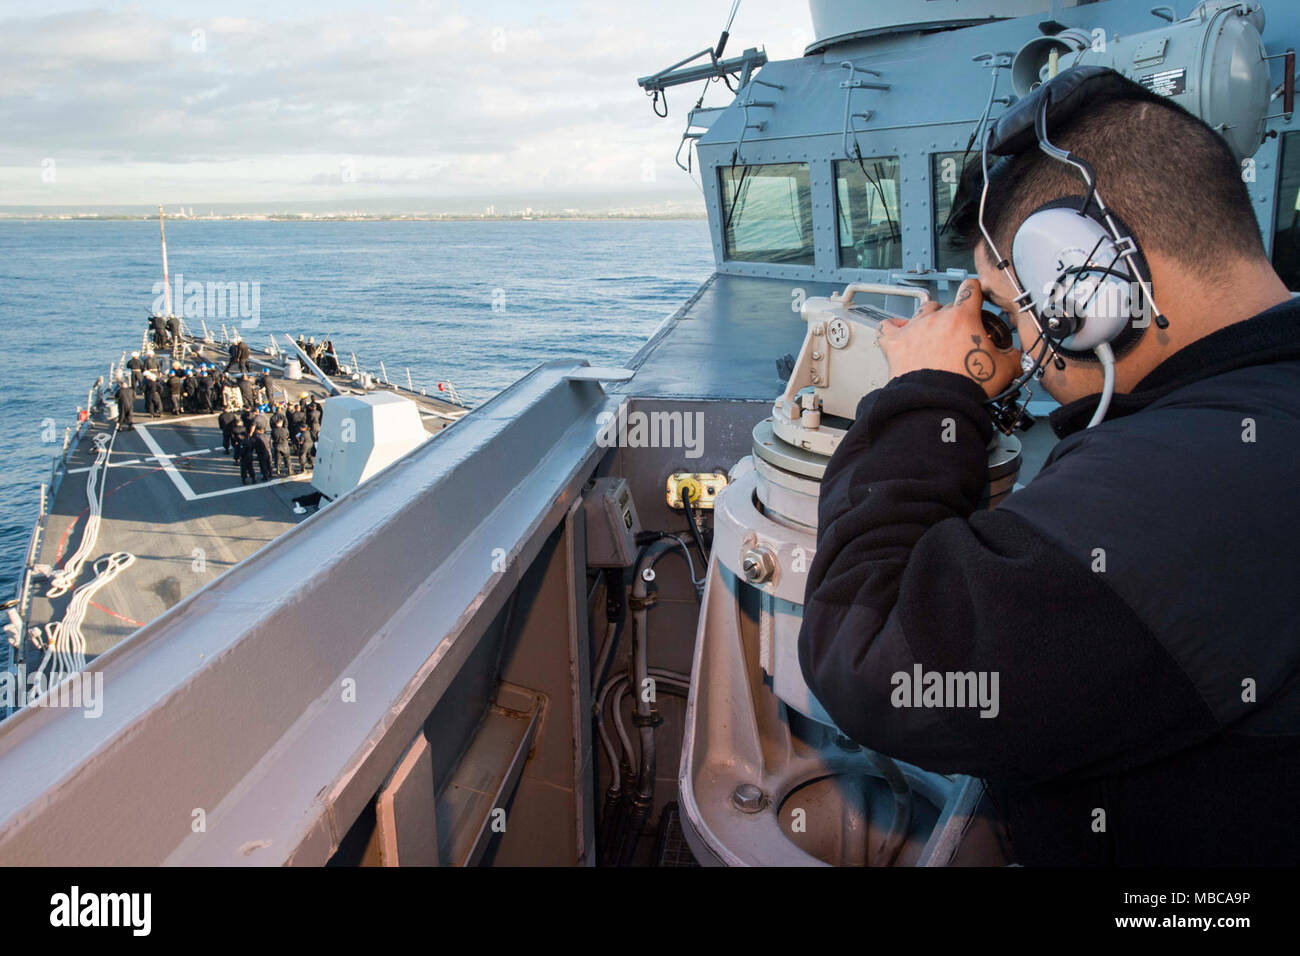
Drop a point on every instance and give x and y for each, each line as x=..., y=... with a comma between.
x=474, y=303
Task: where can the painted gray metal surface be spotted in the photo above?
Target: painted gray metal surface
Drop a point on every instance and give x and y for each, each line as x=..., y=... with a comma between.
x=737, y=733
x=936, y=94
x=231, y=707
x=232, y=703
x=834, y=21
x=724, y=342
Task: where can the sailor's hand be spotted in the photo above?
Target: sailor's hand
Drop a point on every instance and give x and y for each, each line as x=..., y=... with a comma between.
x=950, y=338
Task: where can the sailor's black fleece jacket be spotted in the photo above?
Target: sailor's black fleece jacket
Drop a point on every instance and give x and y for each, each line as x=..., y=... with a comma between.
x=1137, y=599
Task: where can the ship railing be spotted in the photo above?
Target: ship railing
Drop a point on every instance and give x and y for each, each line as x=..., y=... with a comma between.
x=71, y=438
x=58, y=467
x=14, y=648
x=308, y=767
x=33, y=546
x=446, y=390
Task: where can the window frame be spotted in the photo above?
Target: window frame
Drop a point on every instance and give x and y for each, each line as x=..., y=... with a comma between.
x=895, y=218
x=804, y=224
x=937, y=240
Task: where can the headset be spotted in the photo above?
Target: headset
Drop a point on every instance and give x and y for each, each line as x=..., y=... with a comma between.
x=1078, y=272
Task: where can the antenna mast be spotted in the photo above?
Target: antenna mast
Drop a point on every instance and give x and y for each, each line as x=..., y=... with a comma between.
x=167, y=289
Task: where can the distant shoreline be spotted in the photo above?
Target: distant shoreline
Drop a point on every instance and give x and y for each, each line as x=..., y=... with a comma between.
x=307, y=217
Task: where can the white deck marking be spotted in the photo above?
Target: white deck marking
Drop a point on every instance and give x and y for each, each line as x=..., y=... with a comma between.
x=425, y=413
x=253, y=487
x=165, y=460
x=168, y=418
x=135, y=461
x=183, y=486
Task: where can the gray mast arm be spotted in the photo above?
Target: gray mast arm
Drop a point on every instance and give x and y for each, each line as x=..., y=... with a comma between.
x=313, y=367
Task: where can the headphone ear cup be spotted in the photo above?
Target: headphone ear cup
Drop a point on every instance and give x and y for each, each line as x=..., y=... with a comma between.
x=1080, y=287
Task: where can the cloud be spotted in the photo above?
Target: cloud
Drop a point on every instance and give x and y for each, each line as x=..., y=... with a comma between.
x=442, y=97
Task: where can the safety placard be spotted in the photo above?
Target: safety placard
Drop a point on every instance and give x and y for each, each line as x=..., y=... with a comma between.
x=1166, y=82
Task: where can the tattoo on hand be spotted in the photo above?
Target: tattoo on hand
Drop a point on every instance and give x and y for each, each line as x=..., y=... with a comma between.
x=980, y=365
x=963, y=295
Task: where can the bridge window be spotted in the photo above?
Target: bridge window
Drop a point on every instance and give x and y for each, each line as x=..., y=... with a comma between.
x=945, y=174
x=866, y=207
x=767, y=213
x=1286, y=219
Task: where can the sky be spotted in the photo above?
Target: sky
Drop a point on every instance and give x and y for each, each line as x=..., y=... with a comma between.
x=189, y=103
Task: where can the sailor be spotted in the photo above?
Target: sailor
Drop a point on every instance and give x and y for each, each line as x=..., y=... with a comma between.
x=247, y=391
x=280, y=447
x=262, y=448
x=313, y=412
x=307, y=402
x=137, y=370
x=159, y=324
x=306, y=449
x=125, y=404
x=203, y=391
x=188, y=391
x=238, y=432
x=1126, y=604
x=329, y=362
x=267, y=383
x=214, y=388
x=175, y=386
x=151, y=361
x=152, y=394
x=278, y=418
x=224, y=421
x=173, y=329
x=244, y=356
x=297, y=418
x=247, y=455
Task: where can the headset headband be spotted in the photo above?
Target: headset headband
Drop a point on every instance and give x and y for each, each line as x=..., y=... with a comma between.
x=1016, y=130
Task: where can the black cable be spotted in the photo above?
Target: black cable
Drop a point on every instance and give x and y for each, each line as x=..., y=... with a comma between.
x=735, y=196
x=884, y=203
x=952, y=205
x=695, y=528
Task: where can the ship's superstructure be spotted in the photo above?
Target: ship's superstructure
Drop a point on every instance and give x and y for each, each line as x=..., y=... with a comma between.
x=563, y=631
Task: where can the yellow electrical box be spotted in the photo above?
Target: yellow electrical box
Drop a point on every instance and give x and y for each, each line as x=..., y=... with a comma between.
x=701, y=487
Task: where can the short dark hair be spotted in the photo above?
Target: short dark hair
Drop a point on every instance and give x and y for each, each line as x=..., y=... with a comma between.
x=1168, y=176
